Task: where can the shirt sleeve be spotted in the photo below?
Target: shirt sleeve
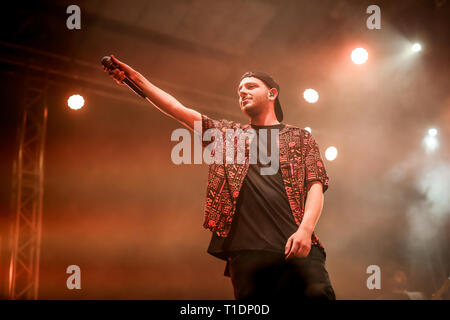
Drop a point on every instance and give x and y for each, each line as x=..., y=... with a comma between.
x=315, y=168
x=221, y=125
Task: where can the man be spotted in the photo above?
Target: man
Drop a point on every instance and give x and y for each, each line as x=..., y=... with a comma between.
x=262, y=224
x=397, y=288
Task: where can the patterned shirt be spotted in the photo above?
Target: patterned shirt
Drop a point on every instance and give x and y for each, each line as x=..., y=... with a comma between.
x=300, y=164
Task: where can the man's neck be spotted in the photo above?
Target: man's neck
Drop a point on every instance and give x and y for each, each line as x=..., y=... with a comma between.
x=267, y=120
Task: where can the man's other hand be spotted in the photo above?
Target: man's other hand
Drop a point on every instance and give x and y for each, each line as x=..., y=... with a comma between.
x=298, y=245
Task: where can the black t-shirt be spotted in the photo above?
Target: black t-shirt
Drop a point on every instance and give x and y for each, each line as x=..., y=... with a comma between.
x=263, y=219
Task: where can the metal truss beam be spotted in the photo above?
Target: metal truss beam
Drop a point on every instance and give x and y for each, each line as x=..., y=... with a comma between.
x=28, y=195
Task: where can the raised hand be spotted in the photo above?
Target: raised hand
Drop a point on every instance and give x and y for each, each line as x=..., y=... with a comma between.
x=121, y=72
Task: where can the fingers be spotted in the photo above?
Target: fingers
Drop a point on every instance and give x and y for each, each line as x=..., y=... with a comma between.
x=118, y=63
x=115, y=60
x=122, y=66
x=293, y=251
x=303, y=252
x=288, y=246
x=296, y=249
x=116, y=74
x=120, y=76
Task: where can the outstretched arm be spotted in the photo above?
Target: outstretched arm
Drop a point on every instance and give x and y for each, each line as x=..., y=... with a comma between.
x=163, y=101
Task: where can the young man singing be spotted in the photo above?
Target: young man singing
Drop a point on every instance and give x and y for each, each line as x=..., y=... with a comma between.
x=262, y=224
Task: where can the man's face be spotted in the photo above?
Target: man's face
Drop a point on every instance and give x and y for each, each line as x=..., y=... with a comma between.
x=253, y=96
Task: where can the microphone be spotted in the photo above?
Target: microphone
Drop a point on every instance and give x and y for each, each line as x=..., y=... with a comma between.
x=108, y=63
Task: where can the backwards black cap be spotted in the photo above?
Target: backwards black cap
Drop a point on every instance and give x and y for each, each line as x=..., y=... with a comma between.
x=264, y=77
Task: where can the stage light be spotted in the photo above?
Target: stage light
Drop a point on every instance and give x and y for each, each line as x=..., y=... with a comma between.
x=308, y=129
x=416, y=47
x=75, y=102
x=359, y=55
x=430, y=143
x=311, y=95
x=331, y=153
x=432, y=132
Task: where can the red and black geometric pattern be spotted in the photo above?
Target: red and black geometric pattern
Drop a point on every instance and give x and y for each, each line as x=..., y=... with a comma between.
x=300, y=165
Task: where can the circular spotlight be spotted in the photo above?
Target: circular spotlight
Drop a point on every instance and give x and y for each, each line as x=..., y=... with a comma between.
x=430, y=143
x=331, y=153
x=432, y=132
x=311, y=95
x=75, y=102
x=359, y=55
x=308, y=129
x=416, y=47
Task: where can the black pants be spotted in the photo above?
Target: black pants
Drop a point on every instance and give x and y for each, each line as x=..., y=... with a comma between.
x=267, y=275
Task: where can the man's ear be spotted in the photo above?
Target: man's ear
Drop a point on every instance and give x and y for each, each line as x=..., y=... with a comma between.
x=273, y=93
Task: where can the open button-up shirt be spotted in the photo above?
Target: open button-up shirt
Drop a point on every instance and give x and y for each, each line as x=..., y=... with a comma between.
x=300, y=164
